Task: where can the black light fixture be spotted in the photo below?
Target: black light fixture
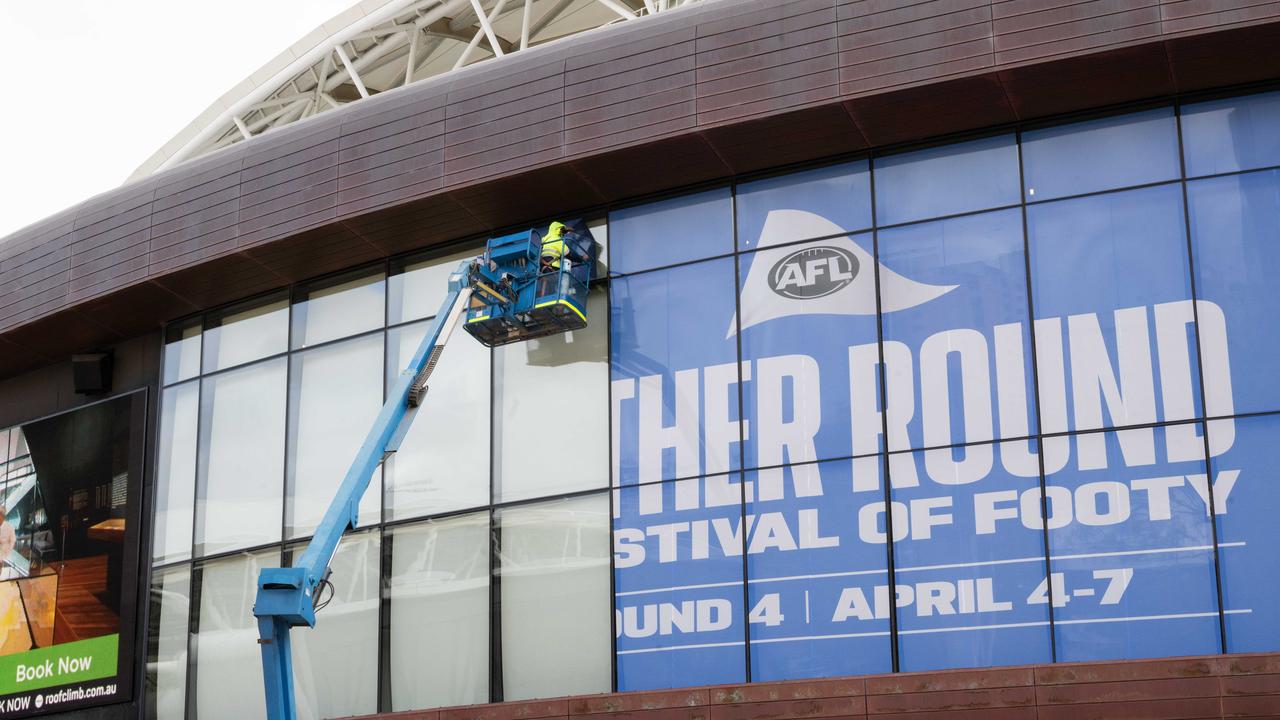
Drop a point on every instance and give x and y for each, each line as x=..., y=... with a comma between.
x=91, y=373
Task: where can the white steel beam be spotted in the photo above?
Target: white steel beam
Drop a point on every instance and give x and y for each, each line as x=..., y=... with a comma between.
x=488, y=29
x=351, y=71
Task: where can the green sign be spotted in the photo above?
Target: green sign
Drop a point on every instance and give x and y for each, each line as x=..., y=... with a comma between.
x=60, y=664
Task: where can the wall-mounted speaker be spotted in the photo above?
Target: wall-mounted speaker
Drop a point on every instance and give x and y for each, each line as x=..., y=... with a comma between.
x=91, y=373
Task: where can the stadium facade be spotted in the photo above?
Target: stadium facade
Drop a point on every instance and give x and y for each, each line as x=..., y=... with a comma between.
x=930, y=369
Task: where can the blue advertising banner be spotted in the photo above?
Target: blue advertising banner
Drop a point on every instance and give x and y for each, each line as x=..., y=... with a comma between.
x=997, y=438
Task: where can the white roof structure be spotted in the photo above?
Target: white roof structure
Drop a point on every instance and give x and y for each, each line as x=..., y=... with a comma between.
x=379, y=45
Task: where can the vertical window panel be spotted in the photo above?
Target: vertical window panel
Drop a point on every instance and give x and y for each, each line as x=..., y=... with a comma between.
x=663, y=580
x=335, y=664
x=954, y=297
x=1102, y=154
x=228, y=679
x=783, y=209
x=417, y=287
x=689, y=227
x=947, y=180
x=439, y=591
x=241, y=464
x=166, y=690
x=804, y=309
x=672, y=328
x=1235, y=235
x=1245, y=455
x=967, y=557
x=550, y=407
x=553, y=566
x=245, y=332
x=443, y=464
x=1230, y=135
x=1110, y=279
x=338, y=308
x=181, y=352
x=335, y=393
x=1132, y=567
x=176, y=473
x=816, y=584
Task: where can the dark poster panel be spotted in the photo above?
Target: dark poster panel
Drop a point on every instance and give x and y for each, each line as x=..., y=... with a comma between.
x=70, y=515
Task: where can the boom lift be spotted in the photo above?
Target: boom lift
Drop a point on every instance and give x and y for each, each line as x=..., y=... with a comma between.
x=507, y=295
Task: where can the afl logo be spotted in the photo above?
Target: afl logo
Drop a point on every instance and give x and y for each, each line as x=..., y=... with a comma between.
x=813, y=272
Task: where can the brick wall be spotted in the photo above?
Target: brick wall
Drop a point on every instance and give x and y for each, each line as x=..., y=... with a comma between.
x=1224, y=686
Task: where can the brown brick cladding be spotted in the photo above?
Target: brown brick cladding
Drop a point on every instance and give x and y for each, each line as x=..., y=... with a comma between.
x=715, y=90
x=1226, y=686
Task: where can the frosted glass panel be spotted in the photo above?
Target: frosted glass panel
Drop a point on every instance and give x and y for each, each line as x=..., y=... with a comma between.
x=167, y=648
x=554, y=568
x=418, y=289
x=241, y=464
x=181, y=352
x=444, y=461
x=335, y=664
x=245, y=333
x=335, y=393
x=338, y=308
x=176, y=473
x=229, y=678
x=551, y=402
x=440, y=613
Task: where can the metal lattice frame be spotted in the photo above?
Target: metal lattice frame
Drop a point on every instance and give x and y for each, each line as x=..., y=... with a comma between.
x=402, y=42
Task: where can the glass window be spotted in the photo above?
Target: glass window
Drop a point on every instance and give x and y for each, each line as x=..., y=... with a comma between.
x=550, y=411
x=439, y=589
x=443, y=463
x=599, y=228
x=947, y=180
x=1235, y=233
x=176, y=473
x=1132, y=569
x=335, y=393
x=689, y=227
x=245, y=332
x=336, y=308
x=335, y=664
x=181, y=352
x=1238, y=133
x=1112, y=297
x=678, y=601
x=228, y=680
x=1245, y=493
x=966, y=559
x=1101, y=154
x=416, y=288
x=817, y=582
x=167, y=643
x=553, y=570
x=672, y=330
x=806, y=205
x=954, y=296
x=241, y=463
x=804, y=309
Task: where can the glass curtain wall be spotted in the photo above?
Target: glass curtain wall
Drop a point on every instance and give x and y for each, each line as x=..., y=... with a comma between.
x=264, y=405
x=1004, y=400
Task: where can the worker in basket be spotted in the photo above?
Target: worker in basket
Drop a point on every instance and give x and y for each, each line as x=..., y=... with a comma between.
x=555, y=254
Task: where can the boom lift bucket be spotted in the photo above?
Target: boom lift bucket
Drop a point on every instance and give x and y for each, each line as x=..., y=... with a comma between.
x=518, y=297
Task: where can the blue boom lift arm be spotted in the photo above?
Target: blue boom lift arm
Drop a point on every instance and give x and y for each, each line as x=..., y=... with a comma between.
x=515, y=298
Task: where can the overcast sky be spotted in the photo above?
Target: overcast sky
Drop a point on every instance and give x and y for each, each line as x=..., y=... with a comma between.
x=95, y=86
